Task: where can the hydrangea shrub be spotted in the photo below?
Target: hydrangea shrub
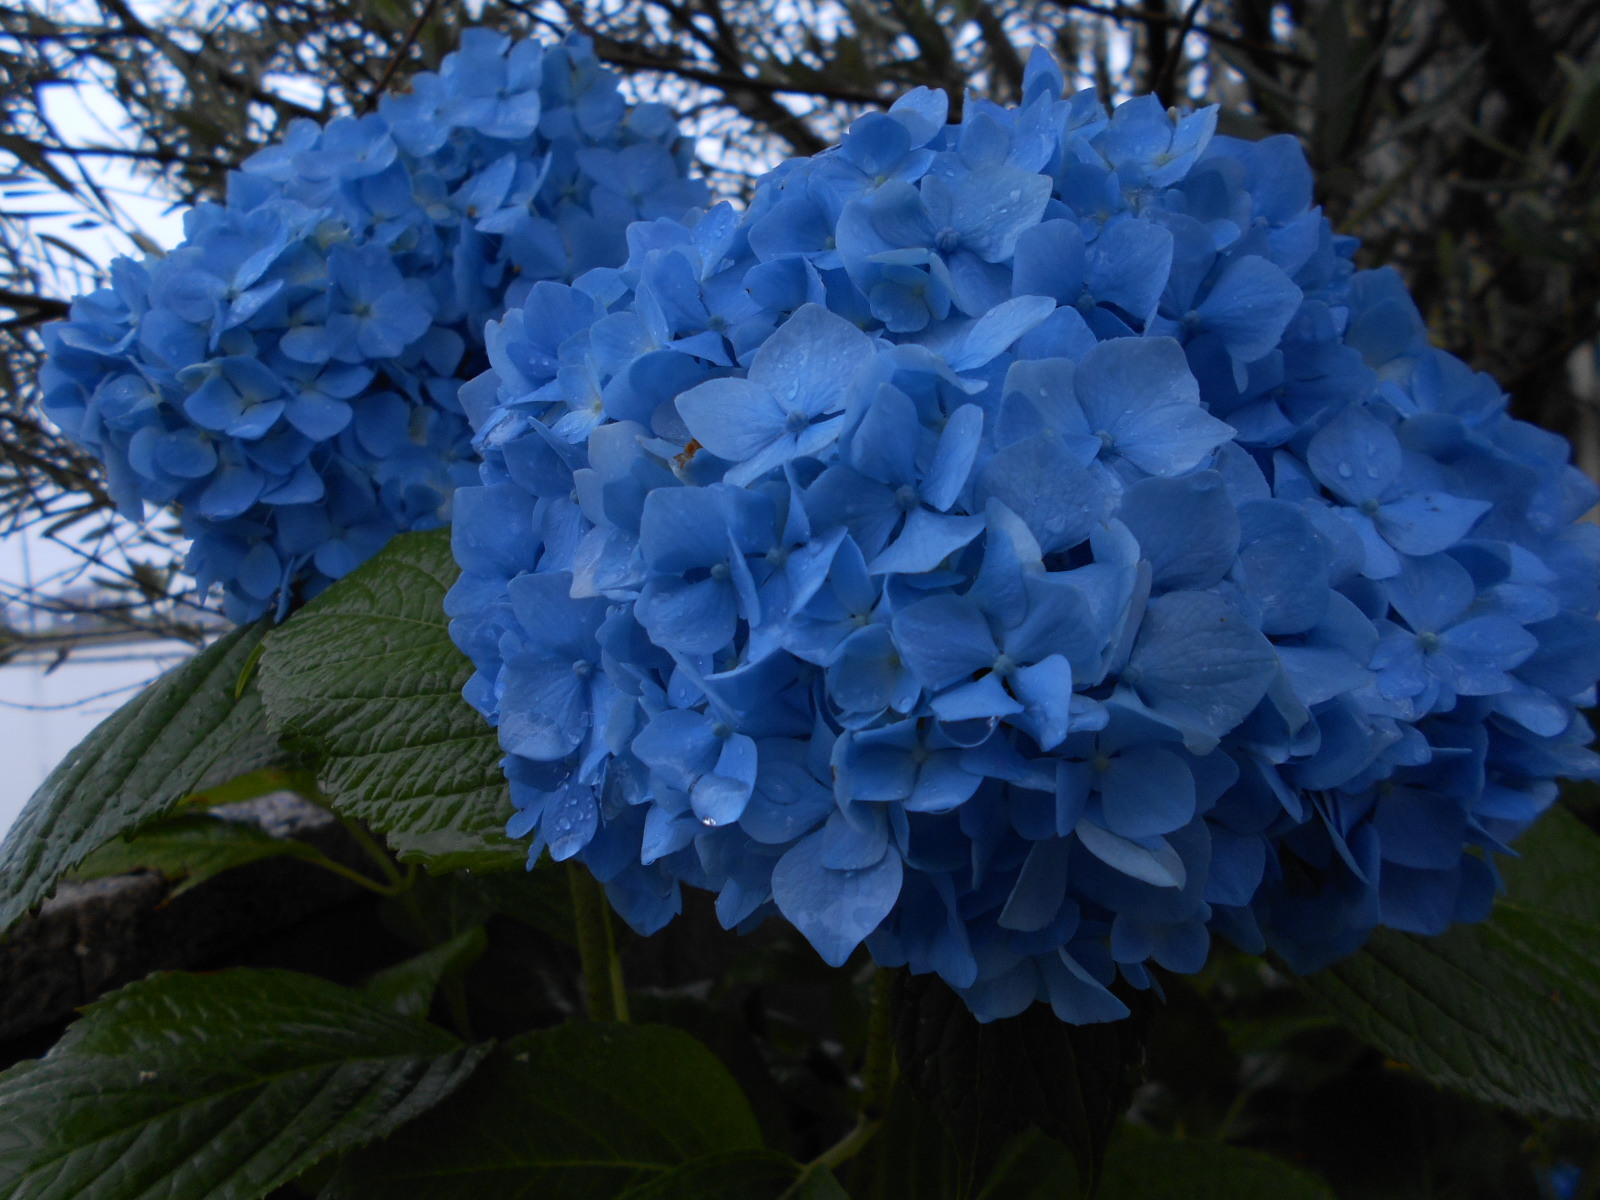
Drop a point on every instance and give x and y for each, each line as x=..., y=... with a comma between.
x=288, y=375
x=1029, y=548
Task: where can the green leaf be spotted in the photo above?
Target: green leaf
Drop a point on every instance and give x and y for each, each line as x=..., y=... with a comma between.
x=1034, y=1167
x=184, y=733
x=1141, y=1165
x=540, y=898
x=366, y=678
x=580, y=1111
x=215, y=1087
x=192, y=847
x=1034, y=1070
x=407, y=988
x=1144, y=1166
x=912, y=1154
x=1508, y=1011
x=738, y=1175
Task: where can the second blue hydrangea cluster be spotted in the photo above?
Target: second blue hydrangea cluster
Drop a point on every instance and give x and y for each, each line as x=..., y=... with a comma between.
x=1029, y=548
x=288, y=375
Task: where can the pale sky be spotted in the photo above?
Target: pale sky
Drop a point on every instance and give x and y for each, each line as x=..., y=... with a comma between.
x=44, y=714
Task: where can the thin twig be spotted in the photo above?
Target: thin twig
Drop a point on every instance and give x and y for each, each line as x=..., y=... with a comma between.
x=399, y=55
x=1169, y=69
x=1116, y=13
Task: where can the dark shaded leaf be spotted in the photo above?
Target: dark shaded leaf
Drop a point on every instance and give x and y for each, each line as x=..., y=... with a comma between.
x=1509, y=1010
x=912, y=1154
x=740, y=1175
x=1034, y=1070
x=583, y=1112
x=192, y=847
x=407, y=988
x=1144, y=1166
x=216, y=1087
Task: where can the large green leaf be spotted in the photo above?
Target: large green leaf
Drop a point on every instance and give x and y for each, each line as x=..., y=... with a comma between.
x=1140, y=1165
x=988, y=1082
x=583, y=1112
x=740, y=1175
x=215, y=1087
x=192, y=729
x=366, y=678
x=1509, y=1010
x=1143, y=1166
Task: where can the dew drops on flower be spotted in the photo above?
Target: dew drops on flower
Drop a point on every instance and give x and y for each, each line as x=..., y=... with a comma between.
x=1029, y=548
x=288, y=375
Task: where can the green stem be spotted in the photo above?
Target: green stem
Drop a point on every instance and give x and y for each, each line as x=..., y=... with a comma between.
x=401, y=881
x=842, y=1151
x=604, y=991
x=428, y=936
x=318, y=859
x=877, y=1078
x=877, y=1071
x=401, y=888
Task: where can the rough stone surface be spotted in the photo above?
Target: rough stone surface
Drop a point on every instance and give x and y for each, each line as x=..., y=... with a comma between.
x=97, y=935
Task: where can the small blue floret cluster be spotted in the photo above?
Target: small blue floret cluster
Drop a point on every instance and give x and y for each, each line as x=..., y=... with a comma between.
x=1028, y=548
x=288, y=375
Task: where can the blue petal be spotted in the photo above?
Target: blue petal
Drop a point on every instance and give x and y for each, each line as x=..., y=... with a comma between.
x=810, y=364
x=1040, y=890
x=735, y=419
x=855, y=838
x=1198, y=663
x=835, y=910
x=943, y=639
x=680, y=745
x=1250, y=306
x=975, y=343
x=787, y=799
x=569, y=821
x=1147, y=791
x=544, y=711
x=1430, y=593
x=719, y=796
x=1428, y=522
x=1058, y=498
x=1187, y=528
x=1420, y=829
x=991, y=208
x=693, y=618
x=1132, y=260
x=953, y=459
x=867, y=674
x=1150, y=860
x=1051, y=261
x=884, y=445
x=926, y=541
x=986, y=697
x=1282, y=566
x=1355, y=456
x=1045, y=689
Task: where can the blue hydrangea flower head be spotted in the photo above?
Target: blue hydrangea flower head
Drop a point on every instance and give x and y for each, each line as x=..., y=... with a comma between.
x=289, y=375
x=1027, y=549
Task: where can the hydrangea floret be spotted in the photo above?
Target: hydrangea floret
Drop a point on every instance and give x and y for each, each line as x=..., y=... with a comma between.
x=1028, y=548
x=287, y=376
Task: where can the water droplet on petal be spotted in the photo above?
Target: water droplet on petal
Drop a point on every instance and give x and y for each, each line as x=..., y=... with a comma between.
x=1345, y=470
x=709, y=822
